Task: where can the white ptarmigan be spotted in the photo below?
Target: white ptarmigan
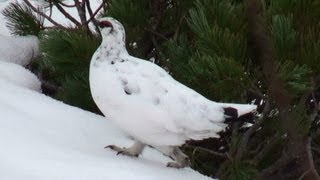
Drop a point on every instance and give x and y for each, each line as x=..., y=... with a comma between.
x=144, y=101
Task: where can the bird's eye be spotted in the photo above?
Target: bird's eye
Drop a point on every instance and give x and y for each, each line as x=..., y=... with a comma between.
x=104, y=24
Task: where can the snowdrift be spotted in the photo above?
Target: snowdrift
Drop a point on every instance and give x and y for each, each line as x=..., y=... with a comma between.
x=42, y=138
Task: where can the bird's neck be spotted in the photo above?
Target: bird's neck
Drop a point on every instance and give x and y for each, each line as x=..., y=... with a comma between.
x=110, y=47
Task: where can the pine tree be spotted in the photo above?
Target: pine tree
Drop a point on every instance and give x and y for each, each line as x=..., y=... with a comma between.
x=262, y=51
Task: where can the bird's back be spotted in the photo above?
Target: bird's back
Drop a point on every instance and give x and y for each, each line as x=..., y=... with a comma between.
x=147, y=91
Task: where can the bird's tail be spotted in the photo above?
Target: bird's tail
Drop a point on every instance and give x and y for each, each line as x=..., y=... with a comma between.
x=234, y=111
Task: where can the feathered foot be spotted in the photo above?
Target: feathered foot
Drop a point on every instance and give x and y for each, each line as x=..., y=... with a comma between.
x=181, y=160
x=135, y=150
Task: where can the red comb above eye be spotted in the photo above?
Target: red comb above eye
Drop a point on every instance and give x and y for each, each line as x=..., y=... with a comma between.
x=104, y=24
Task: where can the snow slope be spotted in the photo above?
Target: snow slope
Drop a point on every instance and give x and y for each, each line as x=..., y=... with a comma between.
x=19, y=49
x=18, y=75
x=44, y=139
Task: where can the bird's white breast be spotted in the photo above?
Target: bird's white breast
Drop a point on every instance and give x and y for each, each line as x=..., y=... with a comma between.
x=137, y=114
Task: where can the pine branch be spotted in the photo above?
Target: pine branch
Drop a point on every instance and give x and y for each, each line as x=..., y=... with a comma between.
x=313, y=174
x=43, y=14
x=88, y=5
x=304, y=174
x=81, y=11
x=67, y=5
x=245, y=139
x=178, y=28
x=49, y=88
x=266, y=149
x=316, y=134
x=156, y=33
x=66, y=14
x=284, y=159
x=50, y=9
x=92, y=15
x=266, y=55
x=316, y=104
x=217, y=154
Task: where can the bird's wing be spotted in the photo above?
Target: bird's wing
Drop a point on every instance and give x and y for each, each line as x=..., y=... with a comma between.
x=189, y=113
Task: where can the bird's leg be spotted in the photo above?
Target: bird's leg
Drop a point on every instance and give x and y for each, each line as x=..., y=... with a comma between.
x=181, y=159
x=134, y=150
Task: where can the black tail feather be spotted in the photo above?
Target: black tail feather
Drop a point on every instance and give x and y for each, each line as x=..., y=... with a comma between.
x=231, y=114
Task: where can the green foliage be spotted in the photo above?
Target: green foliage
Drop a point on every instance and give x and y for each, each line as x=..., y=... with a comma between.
x=284, y=35
x=67, y=50
x=217, y=47
x=222, y=36
x=215, y=72
x=222, y=42
x=301, y=120
x=67, y=53
x=295, y=76
x=203, y=161
x=76, y=91
x=282, y=6
x=198, y=21
x=144, y=19
x=22, y=20
x=221, y=13
x=305, y=12
x=179, y=53
x=309, y=51
x=239, y=170
x=123, y=10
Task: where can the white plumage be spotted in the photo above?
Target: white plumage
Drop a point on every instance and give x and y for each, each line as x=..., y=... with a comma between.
x=146, y=102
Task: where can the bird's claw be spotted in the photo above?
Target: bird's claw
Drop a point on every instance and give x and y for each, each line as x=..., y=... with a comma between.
x=175, y=165
x=115, y=148
x=179, y=164
x=122, y=151
x=109, y=146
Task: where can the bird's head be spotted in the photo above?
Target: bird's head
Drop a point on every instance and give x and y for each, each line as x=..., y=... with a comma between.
x=111, y=27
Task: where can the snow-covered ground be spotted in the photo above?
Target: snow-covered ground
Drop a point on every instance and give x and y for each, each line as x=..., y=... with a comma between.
x=43, y=139
x=19, y=50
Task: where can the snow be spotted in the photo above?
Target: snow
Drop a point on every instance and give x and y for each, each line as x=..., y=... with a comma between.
x=3, y=29
x=45, y=139
x=18, y=75
x=19, y=49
